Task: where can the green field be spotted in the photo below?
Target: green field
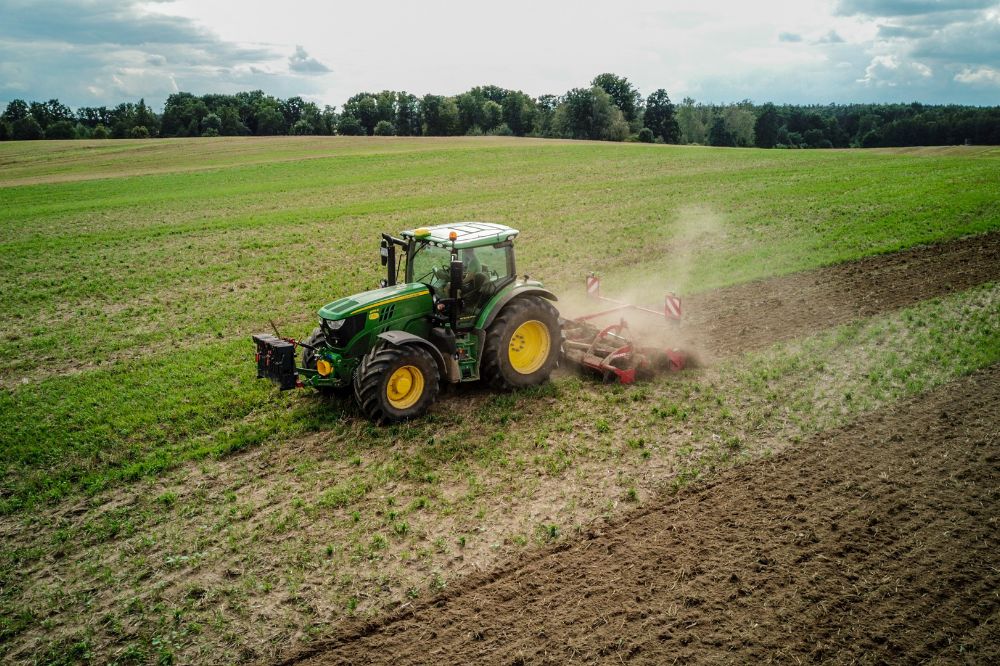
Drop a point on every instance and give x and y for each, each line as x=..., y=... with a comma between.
x=133, y=273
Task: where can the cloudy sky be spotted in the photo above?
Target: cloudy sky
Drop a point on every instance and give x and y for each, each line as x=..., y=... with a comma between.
x=92, y=52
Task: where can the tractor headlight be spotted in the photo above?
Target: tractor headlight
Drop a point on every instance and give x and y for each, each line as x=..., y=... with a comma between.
x=323, y=367
x=333, y=324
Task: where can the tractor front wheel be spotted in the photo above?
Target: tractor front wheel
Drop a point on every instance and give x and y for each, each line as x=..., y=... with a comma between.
x=522, y=344
x=396, y=383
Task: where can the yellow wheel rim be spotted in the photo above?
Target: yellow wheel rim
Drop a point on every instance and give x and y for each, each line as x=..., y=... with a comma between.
x=529, y=347
x=405, y=387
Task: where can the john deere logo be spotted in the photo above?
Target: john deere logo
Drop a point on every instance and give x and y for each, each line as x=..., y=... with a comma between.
x=373, y=314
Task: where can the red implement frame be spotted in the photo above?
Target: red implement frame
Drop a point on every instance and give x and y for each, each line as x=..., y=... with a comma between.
x=612, y=350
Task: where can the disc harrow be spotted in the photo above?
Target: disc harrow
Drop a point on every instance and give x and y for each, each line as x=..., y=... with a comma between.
x=614, y=350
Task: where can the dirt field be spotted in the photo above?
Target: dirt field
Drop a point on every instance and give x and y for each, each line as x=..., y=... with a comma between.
x=875, y=543
x=828, y=552
x=760, y=313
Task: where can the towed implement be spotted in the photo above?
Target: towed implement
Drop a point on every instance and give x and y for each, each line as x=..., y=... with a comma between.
x=450, y=309
x=616, y=352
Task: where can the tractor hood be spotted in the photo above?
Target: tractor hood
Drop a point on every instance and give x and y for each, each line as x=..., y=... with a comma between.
x=366, y=300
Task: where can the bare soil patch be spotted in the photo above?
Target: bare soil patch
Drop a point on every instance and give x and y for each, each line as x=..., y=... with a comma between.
x=758, y=314
x=872, y=543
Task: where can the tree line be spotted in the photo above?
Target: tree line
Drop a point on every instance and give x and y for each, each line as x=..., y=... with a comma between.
x=609, y=109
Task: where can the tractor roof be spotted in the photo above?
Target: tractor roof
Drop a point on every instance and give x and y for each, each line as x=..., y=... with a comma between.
x=467, y=234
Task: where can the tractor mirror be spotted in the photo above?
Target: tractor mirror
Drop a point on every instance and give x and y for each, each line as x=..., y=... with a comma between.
x=384, y=253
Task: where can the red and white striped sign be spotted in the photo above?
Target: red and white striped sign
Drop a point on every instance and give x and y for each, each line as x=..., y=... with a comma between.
x=672, y=307
x=593, y=286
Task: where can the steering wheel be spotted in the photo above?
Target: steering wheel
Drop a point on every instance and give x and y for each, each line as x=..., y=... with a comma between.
x=439, y=273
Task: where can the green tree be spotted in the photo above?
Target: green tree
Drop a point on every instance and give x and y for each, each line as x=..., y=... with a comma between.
x=660, y=117
x=385, y=107
x=765, y=128
x=145, y=117
x=329, y=118
x=301, y=127
x=291, y=110
x=231, y=125
x=440, y=115
x=93, y=116
x=624, y=94
x=408, y=121
x=646, y=135
x=518, y=112
x=693, y=121
x=740, y=124
x=17, y=109
x=350, y=126
x=61, y=129
x=141, y=132
x=590, y=113
x=384, y=128
x=52, y=111
x=179, y=111
x=5, y=131
x=492, y=115
x=26, y=129
x=719, y=135
x=364, y=107
x=545, y=107
x=270, y=120
x=211, y=125
x=470, y=110
x=100, y=132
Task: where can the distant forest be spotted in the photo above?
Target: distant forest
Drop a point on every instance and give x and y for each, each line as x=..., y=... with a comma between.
x=610, y=109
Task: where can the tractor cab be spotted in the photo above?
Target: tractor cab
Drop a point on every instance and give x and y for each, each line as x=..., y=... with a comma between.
x=486, y=254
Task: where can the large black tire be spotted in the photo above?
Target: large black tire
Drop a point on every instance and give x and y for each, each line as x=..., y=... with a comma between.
x=504, y=364
x=317, y=339
x=396, y=383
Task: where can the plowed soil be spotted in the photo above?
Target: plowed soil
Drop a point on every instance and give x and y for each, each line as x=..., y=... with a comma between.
x=875, y=543
x=758, y=314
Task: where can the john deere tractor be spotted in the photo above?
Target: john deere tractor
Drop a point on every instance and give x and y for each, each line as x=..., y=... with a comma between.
x=451, y=309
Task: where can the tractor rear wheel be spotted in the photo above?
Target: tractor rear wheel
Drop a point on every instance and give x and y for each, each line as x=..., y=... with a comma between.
x=396, y=383
x=522, y=344
x=309, y=358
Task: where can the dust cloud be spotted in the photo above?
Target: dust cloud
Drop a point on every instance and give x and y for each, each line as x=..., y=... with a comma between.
x=695, y=235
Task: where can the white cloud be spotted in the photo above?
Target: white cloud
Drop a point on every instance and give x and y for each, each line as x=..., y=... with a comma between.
x=713, y=50
x=303, y=63
x=889, y=70
x=980, y=75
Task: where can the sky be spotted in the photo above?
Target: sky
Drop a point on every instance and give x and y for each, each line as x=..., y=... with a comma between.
x=91, y=53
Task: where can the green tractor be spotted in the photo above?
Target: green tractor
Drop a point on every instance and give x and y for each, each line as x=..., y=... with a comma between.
x=460, y=314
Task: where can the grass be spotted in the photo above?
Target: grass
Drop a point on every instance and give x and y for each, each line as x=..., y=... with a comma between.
x=345, y=523
x=133, y=272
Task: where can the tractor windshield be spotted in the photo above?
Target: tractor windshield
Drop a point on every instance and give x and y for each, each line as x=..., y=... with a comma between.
x=429, y=264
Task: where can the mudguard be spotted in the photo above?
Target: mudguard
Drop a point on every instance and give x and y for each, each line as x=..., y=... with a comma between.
x=402, y=338
x=493, y=309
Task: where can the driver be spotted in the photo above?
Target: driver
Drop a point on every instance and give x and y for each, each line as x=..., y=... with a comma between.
x=474, y=276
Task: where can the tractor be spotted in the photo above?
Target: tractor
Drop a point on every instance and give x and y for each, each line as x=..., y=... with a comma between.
x=450, y=309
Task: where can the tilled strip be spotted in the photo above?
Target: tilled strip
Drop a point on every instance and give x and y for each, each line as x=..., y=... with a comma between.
x=757, y=314
x=876, y=542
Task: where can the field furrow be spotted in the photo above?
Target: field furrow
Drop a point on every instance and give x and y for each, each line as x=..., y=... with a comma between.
x=874, y=543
